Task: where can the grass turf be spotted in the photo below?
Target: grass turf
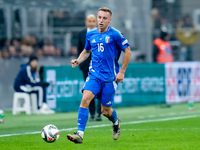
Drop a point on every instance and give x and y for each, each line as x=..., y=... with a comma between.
x=147, y=130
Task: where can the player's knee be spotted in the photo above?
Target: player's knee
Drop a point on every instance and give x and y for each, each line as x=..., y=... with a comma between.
x=105, y=112
x=85, y=103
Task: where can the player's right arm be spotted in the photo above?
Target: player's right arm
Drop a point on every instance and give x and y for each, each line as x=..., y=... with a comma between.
x=82, y=57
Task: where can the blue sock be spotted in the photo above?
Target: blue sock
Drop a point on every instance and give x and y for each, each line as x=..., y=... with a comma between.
x=113, y=117
x=82, y=118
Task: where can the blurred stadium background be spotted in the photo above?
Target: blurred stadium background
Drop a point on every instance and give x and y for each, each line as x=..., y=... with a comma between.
x=49, y=29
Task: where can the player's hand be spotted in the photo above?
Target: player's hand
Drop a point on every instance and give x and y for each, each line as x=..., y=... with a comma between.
x=119, y=77
x=74, y=63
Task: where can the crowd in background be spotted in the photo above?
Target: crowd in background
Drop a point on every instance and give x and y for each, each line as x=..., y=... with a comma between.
x=20, y=48
x=180, y=29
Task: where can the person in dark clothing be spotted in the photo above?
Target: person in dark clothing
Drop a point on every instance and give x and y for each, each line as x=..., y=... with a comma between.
x=27, y=81
x=90, y=23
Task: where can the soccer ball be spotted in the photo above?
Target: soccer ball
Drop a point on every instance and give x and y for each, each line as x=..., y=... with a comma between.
x=50, y=133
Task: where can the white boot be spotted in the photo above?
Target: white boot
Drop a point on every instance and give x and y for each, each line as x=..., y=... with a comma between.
x=45, y=109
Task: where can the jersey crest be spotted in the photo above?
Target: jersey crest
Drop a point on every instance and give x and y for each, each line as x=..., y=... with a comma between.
x=107, y=39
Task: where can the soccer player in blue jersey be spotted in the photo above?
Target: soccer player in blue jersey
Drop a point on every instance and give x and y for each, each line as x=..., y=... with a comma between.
x=105, y=44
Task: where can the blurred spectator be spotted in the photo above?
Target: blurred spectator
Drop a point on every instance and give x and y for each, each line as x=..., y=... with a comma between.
x=167, y=24
x=162, y=51
x=15, y=42
x=188, y=35
x=12, y=51
x=20, y=48
x=4, y=54
x=49, y=48
x=39, y=52
x=58, y=51
x=27, y=46
x=27, y=81
x=19, y=53
x=156, y=18
x=73, y=51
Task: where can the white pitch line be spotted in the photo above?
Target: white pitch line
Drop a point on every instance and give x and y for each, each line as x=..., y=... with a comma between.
x=140, y=117
x=151, y=116
x=105, y=125
x=172, y=113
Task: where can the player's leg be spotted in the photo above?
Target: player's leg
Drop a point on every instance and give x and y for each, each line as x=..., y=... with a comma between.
x=90, y=89
x=83, y=110
x=107, y=100
x=82, y=117
x=85, y=71
x=111, y=114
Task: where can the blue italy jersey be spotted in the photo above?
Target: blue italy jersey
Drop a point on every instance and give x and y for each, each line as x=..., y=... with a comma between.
x=106, y=49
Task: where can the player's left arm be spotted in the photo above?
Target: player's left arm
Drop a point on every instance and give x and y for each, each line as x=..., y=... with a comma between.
x=126, y=59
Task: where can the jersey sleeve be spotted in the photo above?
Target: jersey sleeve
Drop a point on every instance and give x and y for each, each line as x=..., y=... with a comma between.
x=87, y=42
x=121, y=41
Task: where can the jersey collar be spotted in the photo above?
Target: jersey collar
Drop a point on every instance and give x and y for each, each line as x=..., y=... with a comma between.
x=106, y=30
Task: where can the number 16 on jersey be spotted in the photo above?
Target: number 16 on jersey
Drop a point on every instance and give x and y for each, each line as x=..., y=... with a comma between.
x=100, y=47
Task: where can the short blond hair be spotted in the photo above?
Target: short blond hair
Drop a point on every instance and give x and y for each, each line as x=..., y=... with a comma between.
x=106, y=9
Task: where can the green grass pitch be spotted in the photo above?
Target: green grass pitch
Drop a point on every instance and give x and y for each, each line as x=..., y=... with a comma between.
x=142, y=128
